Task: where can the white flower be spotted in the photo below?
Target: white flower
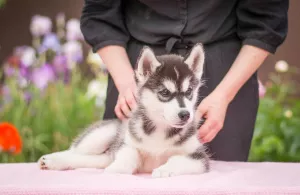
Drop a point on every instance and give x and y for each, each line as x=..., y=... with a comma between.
x=99, y=102
x=97, y=89
x=73, y=30
x=40, y=25
x=95, y=60
x=281, y=66
x=28, y=56
x=23, y=82
x=288, y=114
x=74, y=53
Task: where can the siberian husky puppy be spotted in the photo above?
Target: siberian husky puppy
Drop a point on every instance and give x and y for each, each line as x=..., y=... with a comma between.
x=161, y=136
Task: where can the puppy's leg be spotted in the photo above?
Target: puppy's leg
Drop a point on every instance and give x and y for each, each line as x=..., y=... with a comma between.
x=127, y=161
x=71, y=160
x=180, y=165
x=193, y=162
x=87, y=151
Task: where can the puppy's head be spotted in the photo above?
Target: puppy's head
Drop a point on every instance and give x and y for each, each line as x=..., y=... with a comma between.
x=168, y=85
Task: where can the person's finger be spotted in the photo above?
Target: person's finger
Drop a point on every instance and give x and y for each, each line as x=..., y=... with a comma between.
x=218, y=125
x=209, y=124
x=210, y=136
x=124, y=107
x=119, y=112
x=130, y=100
x=134, y=90
x=201, y=110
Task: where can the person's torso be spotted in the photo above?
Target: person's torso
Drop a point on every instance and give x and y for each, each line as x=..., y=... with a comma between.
x=158, y=22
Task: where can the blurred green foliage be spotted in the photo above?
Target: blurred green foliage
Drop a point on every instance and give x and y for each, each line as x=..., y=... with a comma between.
x=2, y=2
x=277, y=132
x=51, y=120
x=45, y=91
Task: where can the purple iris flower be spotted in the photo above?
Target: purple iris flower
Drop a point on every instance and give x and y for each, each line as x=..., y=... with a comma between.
x=24, y=71
x=67, y=77
x=9, y=71
x=27, y=97
x=74, y=53
x=5, y=94
x=42, y=76
x=50, y=41
x=78, y=56
x=60, y=64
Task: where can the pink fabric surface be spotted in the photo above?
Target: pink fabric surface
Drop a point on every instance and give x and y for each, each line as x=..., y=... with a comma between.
x=224, y=178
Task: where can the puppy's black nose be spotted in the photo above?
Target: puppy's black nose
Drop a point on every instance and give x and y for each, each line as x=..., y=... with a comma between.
x=184, y=115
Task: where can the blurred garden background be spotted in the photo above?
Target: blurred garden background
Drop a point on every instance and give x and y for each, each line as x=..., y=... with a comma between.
x=52, y=85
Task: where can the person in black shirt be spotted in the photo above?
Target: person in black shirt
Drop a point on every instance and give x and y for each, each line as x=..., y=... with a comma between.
x=237, y=36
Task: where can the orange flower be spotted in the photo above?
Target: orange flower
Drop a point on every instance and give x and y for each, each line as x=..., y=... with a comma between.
x=14, y=61
x=10, y=140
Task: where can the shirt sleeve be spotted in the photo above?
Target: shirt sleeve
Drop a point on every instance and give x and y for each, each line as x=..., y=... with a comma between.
x=263, y=23
x=102, y=23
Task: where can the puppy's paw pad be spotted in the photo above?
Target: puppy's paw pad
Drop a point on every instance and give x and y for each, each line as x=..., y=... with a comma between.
x=52, y=162
x=43, y=163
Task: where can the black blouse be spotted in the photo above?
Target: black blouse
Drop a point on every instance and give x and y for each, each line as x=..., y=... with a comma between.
x=261, y=23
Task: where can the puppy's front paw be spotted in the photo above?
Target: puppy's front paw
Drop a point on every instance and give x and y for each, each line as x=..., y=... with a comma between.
x=180, y=165
x=52, y=162
x=118, y=168
x=164, y=171
x=159, y=173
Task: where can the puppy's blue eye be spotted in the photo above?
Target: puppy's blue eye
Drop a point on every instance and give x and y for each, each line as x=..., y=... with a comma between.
x=165, y=93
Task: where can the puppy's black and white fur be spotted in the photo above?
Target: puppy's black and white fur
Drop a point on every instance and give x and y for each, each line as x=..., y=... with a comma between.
x=160, y=137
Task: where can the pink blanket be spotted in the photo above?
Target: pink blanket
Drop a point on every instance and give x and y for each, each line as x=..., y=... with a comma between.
x=225, y=178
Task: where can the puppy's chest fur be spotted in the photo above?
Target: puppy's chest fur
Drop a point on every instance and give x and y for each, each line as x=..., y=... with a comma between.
x=157, y=147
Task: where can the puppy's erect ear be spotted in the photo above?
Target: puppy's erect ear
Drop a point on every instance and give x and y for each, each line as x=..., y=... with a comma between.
x=195, y=59
x=146, y=64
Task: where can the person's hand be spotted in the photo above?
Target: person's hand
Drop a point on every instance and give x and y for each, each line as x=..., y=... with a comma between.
x=213, y=109
x=126, y=102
